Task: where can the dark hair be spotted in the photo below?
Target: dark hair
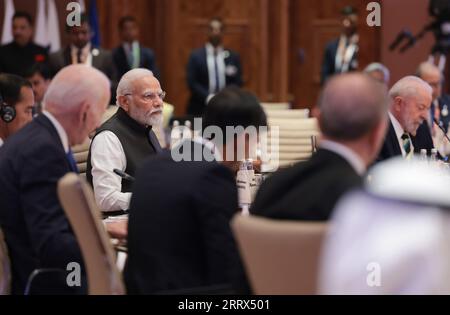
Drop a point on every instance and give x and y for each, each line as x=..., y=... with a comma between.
x=23, y=15
x=126, y=19
x=83, y=19
x=39, y=68
x=10, y=86
x=234, y=107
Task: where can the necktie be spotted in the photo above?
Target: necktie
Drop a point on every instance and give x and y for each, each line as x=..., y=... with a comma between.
x=72, y=162
x=130, y=56
x=79, y=52
x=216, y=70
x=407, y=145
x=153, y=140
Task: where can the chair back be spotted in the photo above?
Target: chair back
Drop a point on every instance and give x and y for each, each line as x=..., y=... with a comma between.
x=77, y=199
x=5, y=267
x=80, y=153
x=280, y=257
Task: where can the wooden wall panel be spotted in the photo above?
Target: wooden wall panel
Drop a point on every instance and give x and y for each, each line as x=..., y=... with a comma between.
x=312, y=25
x=281, y=41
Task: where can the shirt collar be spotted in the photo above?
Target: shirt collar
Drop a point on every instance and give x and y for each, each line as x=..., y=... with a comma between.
x=210, y=49
x=61, y=132
x=399, y=131
x=347, y=154
x=85, y=50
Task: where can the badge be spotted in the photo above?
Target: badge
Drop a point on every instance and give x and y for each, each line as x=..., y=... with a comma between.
x=444, y=111
x=231, y=70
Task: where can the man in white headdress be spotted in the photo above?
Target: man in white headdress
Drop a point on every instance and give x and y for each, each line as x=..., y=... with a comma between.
x=393, y=236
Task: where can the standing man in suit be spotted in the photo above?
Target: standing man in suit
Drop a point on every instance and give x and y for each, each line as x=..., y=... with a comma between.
x=125, y=140
x=32, y=161
x=184, y=241
x=353, y=120
x=341, y=55
x=210, y=69
x=131, y=54
x=410, y=101
x=16, y=104
x=81, y=51
x=20, y=55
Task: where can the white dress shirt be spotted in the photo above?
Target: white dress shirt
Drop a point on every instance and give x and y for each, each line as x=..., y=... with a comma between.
x=220, y=59
x=86, y=55
x=399, y=132
x=107, y=154
x=347, y=154
x=1, y=142
x=59, y=129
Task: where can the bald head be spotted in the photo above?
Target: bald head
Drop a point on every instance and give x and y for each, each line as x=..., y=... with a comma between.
x=75, y=85
x=77, y=97
x=351, y=106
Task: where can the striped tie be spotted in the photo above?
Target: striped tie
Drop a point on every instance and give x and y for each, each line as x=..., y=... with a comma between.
x=407, y=145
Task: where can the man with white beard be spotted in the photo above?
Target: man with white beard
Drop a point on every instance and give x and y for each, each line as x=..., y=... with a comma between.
x=125, y=140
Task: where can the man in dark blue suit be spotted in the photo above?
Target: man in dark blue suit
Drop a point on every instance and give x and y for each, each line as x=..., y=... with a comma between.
x=341, y=55
x=32, y=161
x=131, y=55
x=410, y=100
x=210, y=69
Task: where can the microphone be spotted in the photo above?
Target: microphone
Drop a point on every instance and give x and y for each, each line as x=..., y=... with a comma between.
x=398, y=40
x=124, y=175
x=442, y=129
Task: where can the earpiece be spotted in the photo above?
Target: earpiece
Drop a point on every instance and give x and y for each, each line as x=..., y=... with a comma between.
x=7, y=112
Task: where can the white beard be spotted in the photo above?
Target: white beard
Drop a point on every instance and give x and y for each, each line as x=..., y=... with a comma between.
x=149, y=118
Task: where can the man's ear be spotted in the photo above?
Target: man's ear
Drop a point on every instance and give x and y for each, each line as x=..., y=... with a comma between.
x=84, y=112
x=398, y=101
x=124, y=103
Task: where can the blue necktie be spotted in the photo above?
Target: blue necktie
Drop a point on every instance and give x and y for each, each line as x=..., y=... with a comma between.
x=216, y=69
x=72, y=162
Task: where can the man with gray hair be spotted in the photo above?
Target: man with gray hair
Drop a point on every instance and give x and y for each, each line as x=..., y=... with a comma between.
x=125, y=140
x=32, y=161
x=378, y=72
x=440, y=105
x=410, y=101
x=353, y=119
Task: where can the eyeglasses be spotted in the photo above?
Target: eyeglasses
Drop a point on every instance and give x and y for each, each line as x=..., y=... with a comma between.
x=151, y=97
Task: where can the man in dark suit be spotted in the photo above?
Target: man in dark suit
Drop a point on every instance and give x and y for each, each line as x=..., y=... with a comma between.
x=21, y=54
x=131, y=55
x=341, y=55
x=183, y=242
x=410, y=101
x=210, y=69
x=32, y=161
x=80, y=51
x=353, y=122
